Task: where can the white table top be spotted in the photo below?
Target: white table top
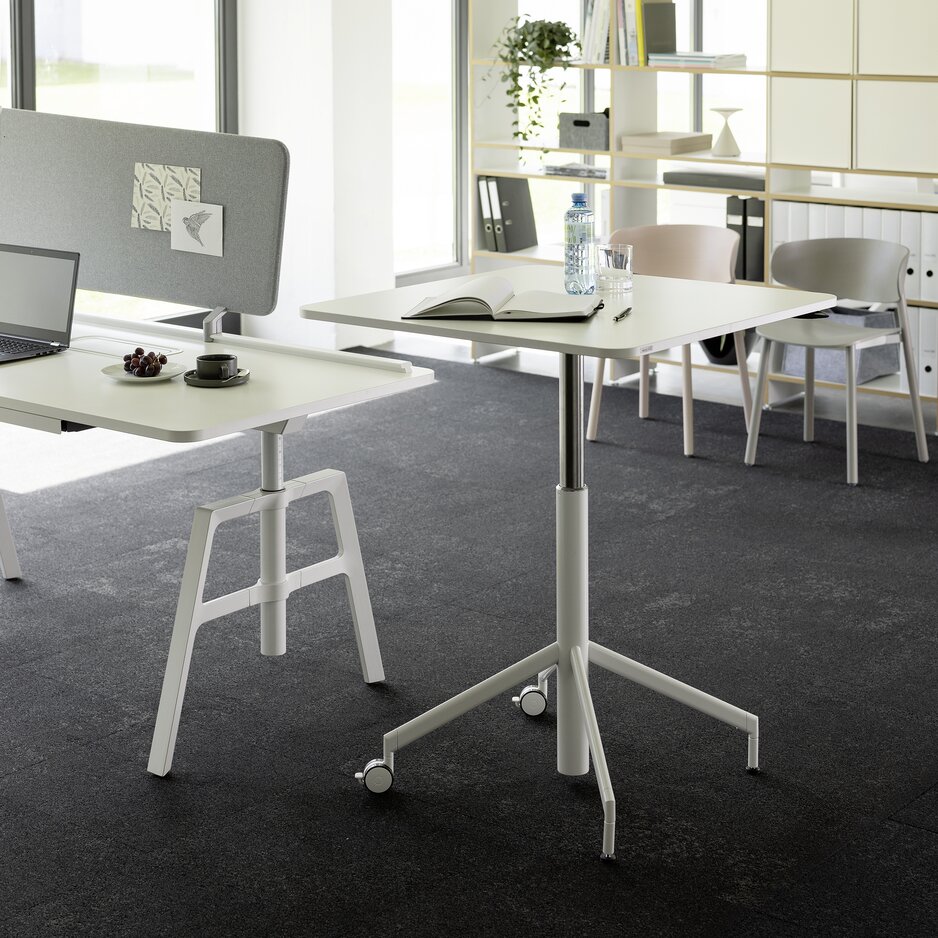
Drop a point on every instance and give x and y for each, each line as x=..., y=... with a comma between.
x=285, y=382
x=665, y=313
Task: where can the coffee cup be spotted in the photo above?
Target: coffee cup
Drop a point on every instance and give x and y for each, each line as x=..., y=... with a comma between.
x=216, y=367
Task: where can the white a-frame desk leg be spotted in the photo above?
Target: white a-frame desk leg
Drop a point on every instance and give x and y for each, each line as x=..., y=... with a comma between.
x=273, y=587
x=9, y=564
x=577, y=730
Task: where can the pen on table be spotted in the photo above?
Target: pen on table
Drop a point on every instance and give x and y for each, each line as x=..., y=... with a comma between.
x=622, y=315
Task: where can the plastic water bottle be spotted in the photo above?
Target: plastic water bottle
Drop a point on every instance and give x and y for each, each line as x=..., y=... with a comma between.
x=578, y=274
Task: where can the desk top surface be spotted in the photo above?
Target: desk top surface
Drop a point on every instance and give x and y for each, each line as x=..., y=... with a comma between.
x=665, y=313
x=284, y=383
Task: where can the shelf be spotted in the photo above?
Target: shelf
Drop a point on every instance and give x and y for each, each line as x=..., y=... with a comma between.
x=697, y=156
x=582, y=180
x=873, y=198
x=538, y=254
x=713, y=190
x=497, y=63
x=514, y=145
x=693, y=69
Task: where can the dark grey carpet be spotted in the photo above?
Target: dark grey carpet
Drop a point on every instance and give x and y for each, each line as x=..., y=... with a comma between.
x=778, y=588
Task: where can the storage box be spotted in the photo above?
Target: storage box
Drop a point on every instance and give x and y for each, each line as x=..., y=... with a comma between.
x=585, y=131
x=831, y=365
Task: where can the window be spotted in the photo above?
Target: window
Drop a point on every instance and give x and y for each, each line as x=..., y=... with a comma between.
x=129, y=62
x=429, y=113
x=6, y=96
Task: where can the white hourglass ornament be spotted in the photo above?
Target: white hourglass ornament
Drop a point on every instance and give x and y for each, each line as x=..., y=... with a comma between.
x=726, y=144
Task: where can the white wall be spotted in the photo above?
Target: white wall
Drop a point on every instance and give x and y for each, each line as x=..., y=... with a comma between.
x=316, y=75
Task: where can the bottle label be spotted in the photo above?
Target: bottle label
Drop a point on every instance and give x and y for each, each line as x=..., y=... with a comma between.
x=576, y=232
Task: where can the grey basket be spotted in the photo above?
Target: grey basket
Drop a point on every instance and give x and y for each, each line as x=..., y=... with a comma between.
x=584, y=131
x=831, y=364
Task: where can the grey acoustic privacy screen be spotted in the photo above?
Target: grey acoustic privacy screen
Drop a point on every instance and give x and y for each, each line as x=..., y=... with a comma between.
x=67, y=183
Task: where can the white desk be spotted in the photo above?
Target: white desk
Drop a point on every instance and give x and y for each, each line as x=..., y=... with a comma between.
x=285, y=387
x=666, y=313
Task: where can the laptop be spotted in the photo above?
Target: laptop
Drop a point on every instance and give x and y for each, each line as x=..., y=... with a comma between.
x=37, y=299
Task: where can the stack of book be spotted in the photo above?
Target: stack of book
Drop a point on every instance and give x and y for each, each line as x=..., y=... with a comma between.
x=644, y=27
x=576, y=169
x=665, y=142
x=697, y=60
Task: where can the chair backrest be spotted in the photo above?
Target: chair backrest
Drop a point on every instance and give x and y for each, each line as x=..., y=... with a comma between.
x=850, y=268
x=690, y=252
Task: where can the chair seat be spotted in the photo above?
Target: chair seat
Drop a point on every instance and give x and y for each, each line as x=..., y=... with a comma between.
x=823, y=333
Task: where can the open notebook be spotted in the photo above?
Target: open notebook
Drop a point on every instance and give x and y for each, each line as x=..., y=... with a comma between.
x=492, y=297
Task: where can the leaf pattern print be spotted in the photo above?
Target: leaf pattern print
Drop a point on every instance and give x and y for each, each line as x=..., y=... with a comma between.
x=155, y=187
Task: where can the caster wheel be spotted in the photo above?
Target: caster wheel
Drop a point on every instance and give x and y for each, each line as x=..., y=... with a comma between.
x=532, y=701
x=376, y=777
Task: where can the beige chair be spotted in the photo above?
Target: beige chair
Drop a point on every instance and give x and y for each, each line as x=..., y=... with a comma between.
x=689, y=252
x=854, y=268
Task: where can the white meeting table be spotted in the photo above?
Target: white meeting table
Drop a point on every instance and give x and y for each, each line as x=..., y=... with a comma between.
x=286, y=385
x=666, y=313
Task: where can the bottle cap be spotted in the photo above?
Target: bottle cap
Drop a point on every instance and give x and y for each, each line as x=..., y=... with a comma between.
x=579, y=196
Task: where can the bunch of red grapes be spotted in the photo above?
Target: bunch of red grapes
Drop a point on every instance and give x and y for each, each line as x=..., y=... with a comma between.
x=144, y=364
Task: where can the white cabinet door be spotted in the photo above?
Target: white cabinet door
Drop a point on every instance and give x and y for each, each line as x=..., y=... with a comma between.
x=811, y=36
x=811, y=122
x=897, y=38
x=897, y=126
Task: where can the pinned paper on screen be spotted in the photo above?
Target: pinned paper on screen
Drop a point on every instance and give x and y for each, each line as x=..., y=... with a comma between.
x=156, y=185
x=197, y=227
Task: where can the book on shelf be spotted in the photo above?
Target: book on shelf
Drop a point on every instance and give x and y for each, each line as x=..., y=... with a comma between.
x=595, y=45
x=492, y=297
x=666, y=142
x=659, y=26
x=575, y=169
x=698, y=59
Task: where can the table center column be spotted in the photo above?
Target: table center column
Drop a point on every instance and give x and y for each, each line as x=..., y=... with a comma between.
x=572, y=569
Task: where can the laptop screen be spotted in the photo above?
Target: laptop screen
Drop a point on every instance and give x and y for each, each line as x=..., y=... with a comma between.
x=37, y=292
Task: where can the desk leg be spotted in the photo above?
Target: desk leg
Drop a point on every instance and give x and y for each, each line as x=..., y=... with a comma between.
x=273, y=525
x=9, y=564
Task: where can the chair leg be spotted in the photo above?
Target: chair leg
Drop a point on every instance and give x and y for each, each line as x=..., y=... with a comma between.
x=687, y=395
x=852, y=471
x=592, y=426
x=755, y=418
x=809, y=395
x=917, y=419
x=643, y=379
x=739, y=342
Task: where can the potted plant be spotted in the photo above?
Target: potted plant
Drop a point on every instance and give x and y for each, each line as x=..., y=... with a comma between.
x=527, y=50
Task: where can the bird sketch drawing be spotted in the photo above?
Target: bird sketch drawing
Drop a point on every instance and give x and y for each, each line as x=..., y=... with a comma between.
x=194, y=222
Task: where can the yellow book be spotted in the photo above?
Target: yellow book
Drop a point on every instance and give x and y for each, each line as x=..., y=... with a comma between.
x=640, y=31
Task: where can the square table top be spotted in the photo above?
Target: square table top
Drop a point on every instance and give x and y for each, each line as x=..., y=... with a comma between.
x=666, y=313
x=285, y=382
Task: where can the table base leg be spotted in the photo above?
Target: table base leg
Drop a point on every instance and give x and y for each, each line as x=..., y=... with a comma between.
x=682, y=693
x=9, y=564
x=192, y=611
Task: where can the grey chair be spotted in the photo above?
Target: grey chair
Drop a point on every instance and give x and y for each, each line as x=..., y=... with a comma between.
x=690, y=252
x=854, y=268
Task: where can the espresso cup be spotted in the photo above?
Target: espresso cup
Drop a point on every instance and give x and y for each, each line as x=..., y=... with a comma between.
x=216, y=367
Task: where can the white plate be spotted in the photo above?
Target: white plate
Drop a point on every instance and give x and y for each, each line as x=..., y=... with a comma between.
x=168, y=372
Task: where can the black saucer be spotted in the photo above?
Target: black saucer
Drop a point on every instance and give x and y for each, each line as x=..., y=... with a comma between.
x=192, y=378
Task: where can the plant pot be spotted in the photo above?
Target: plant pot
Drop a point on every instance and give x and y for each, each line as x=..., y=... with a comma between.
x=726, y=356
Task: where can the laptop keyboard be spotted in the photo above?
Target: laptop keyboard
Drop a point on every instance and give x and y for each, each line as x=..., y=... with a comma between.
x=8, y=345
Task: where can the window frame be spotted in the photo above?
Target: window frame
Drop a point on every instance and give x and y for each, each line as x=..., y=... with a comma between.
x=460, y=265
x=23, y=60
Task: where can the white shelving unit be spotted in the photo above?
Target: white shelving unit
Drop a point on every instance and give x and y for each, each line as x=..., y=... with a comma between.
x=850, y=96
